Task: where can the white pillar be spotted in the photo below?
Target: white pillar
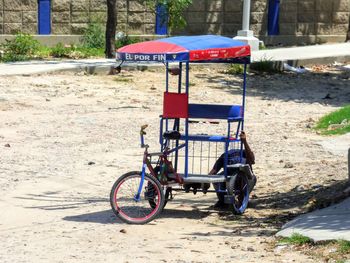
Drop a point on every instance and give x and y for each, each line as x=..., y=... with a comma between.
x=245, y=34
x=246, y=15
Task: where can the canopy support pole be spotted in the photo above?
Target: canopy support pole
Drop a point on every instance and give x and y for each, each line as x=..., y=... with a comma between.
x=186, y=122
x=177, y=121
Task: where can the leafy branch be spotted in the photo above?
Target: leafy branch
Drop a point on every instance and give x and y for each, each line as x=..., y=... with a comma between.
x=174, y=9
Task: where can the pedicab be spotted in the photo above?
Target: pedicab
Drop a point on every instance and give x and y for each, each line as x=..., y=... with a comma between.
x=138, y=197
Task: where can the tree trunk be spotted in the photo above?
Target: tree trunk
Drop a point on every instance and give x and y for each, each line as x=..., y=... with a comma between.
x=348, y=34
x=111, y=28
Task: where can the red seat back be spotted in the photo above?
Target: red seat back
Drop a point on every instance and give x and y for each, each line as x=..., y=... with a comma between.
x=175, y=105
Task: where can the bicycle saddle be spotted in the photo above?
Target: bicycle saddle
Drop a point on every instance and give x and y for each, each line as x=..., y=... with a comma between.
x=171, y=135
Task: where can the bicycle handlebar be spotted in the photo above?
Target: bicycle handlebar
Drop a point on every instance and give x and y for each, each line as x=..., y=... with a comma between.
x=142, y=132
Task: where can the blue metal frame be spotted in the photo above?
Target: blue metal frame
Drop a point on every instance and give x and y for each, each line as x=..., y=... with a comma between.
x=44, y=17
x=161, y=20
x=137, y=197
x=233, y=113
x=273, y=17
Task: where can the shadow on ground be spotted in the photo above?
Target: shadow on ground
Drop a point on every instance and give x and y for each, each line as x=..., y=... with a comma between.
x=264, y=216
x=275, y=209
x=329, y=88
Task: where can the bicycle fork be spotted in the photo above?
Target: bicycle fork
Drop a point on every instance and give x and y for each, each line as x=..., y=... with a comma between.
x=137, y=197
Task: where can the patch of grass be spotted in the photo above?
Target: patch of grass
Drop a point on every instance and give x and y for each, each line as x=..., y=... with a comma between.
x=337, y=122
x=235, y=69
x=91, y=52
x=296, y=239
x=344, y=246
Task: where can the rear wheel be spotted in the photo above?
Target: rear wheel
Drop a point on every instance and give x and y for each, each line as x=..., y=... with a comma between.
x=134, y=208
x=238, y=188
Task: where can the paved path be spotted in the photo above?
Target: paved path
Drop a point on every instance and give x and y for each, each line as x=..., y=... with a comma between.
x=331, y=223
x=35, y=67
x=337, y=145
x=304, y=53
x=294, y=56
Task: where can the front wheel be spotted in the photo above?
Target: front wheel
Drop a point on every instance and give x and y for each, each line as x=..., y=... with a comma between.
x=238, y=188
x=133, y=207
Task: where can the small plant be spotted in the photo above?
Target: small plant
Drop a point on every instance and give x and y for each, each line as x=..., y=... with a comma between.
x=123, y=40
x=94, y=36
x=235, y=69
x=264, y=65
x=60, y=51
x=21, y=47
x=296, y=239
x=344, y=246
x=337, y=122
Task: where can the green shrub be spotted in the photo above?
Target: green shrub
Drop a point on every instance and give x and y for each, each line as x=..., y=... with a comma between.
x=124, y=40
x=60, y=51
x=235, y=69
x=264, y=65
x=21, y=47
x=75, y=52
x=94, y=36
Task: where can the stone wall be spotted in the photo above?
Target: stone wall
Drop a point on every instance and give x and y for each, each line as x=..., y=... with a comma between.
x=224, y=17
x=304, y=20
x=315, y=20
x=301, y=21
x=73, y=16
x=18, y=15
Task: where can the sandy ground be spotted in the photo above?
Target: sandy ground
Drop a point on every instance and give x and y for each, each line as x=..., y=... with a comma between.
x=55, y=206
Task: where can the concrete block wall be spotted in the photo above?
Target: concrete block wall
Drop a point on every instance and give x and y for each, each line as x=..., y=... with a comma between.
x=18, y=16
x=134, y=18
x=224, y=17
x=73, y=16
x=314, y=21
x=301, y=21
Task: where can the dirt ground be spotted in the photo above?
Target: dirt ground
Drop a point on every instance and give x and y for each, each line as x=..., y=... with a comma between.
x=65, y=138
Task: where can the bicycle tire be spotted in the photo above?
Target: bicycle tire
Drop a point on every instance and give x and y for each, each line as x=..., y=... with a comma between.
x=238, y=187
x=136, y=210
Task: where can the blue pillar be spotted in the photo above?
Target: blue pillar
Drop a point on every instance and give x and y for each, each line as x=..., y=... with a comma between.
x=161, y=20
x=273, y=17
x=44, y=17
